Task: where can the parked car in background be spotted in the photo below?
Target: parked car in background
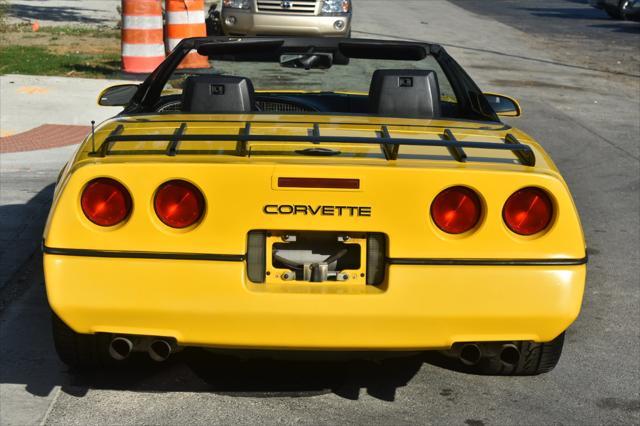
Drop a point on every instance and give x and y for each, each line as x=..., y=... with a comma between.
x=619, y=9
x=286, y=17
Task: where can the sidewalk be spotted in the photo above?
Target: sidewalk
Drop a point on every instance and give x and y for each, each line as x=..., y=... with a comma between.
x=56, y=112
x=27, y=102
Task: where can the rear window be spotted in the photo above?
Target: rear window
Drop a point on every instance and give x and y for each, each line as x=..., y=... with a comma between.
x=352, y=78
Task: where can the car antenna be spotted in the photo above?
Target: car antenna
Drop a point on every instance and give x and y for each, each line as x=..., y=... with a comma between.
x=93, y=136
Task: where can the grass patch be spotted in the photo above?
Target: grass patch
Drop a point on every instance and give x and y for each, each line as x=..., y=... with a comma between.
x=60, y=50
x=37, y=60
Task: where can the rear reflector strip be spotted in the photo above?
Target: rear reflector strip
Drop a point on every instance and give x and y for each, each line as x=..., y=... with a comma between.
x=291, y=182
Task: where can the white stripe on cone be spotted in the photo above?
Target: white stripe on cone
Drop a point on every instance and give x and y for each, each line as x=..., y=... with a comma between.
x=172, y=43
x=136, y=22
x=193, y=17
x=142, y=50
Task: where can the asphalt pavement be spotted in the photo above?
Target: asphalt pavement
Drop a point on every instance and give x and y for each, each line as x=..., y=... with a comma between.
x=571, y=30
x=586, y=114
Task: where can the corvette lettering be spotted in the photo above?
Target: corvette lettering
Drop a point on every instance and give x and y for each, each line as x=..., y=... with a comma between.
x=307, y=210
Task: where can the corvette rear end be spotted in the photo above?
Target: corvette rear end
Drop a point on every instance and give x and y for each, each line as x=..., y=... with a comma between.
x=316, y=232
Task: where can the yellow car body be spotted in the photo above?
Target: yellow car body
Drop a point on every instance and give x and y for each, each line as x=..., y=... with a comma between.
x=221, y=281
x=213, y=303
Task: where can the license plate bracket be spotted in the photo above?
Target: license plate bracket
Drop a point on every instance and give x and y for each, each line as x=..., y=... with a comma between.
x=316, y=257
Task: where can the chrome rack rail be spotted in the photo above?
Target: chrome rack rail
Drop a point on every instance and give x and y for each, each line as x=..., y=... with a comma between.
x=389, y=145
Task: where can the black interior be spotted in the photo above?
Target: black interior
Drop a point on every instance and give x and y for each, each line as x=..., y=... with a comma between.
x=294, y=103
x=400, y=93
x=317, y=102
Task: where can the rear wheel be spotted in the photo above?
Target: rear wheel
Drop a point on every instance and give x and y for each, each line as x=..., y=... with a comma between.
x=526, y=359
x=81, y=351
x=502, y=359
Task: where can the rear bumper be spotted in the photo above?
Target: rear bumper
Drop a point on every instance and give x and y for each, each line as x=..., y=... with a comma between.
x=211, y=303
x=251, y=24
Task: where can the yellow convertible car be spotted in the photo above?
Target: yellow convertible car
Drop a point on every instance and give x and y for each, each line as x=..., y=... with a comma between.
x=310, y=194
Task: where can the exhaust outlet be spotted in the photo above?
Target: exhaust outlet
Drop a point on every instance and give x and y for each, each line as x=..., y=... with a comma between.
x=160, y=350
x=510, y=354
x=470, y=354
x=120, y=348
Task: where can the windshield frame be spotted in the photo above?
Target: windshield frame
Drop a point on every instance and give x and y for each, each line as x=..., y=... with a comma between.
x=471, y=101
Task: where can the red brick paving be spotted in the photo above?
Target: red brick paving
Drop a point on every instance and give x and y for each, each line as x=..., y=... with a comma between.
x=44, y=137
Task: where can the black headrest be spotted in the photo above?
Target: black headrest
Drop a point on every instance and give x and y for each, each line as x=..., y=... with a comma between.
x=405, y=93
x=218, y=94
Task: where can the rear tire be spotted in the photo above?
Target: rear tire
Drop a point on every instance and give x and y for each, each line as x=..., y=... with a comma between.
x=534, y=359
x=80, y=351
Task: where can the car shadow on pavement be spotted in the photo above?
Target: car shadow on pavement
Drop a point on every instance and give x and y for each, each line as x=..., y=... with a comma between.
x=567, y=13
x=621, y=27
x=58, y=14
x=198, y=370
x=345, y=378
x=25, y=351
x=21, y=228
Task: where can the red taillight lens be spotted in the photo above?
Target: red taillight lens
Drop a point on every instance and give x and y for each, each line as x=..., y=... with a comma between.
x=179, y=204
x=456, y=210
x=528, y=211
x=105, y=202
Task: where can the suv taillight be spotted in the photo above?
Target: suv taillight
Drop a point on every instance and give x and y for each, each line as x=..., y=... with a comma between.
x=456, y=210
x=179, y=204
x=105, y=202
x=528, y=211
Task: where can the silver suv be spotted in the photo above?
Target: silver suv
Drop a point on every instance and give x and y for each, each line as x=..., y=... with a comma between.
x=287, y=17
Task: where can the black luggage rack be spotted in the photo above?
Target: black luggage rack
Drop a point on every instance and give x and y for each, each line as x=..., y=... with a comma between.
x=389, y=145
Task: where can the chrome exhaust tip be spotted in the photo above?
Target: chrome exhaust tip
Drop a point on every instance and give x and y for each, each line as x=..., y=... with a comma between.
x=510, y=354
x=120, y=348
x=160, y=350
x=470, y=354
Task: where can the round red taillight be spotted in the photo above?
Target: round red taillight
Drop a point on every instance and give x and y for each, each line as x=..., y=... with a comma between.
x=179, y=204
x=528, y=211
x=456, y=210
x=105, y=202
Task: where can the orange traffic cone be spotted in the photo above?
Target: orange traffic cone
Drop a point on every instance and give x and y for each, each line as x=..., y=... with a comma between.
x=185, y=18
x=142, y=36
